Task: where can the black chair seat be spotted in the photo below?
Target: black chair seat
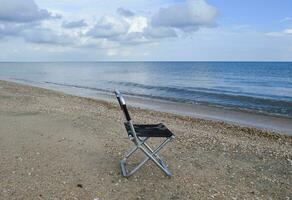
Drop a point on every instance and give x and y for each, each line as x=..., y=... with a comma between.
x=150, y=130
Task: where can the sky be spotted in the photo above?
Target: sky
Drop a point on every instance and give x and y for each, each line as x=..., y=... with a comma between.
x=145, y=30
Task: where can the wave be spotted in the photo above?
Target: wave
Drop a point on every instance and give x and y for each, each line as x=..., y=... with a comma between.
x=208, y=92
x=202, y=96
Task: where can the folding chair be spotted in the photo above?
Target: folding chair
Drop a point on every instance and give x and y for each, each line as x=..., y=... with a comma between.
x=139, y=134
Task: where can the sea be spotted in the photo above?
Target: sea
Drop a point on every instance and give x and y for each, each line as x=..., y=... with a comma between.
x=260, y=87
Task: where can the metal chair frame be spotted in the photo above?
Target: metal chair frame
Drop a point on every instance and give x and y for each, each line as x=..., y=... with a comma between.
x=140, y=144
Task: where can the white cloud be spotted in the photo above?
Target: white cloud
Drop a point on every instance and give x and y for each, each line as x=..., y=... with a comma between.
x=34, y=33
x=125, y=12
x=22, y=11
x=112, y=52
x=23, y=19
x=287, y=31
x=109, y=27
x=137, y=24
x=159, y=32
x=46, y=36
x=7, y=29
x=74, y=24
x=187, y=16
x=123, y=30
x=124, y=27
x=127, y=30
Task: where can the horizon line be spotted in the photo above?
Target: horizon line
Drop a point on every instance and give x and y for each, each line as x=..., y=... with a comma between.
x=87, y=61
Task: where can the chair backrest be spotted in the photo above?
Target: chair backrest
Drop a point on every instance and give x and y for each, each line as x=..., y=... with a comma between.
x=131, y=134
x=123, y=105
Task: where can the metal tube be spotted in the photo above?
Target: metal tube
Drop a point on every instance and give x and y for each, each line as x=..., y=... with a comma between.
x=150, y=156
x=133, y=150
x=162, y=166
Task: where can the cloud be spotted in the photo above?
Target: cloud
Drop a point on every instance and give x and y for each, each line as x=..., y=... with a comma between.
x=9, y=29
x=160, y=32
x=286, y=32
x=24, y=19
x=187, y=16
x=137, y=24
x=286, y=19
x=23, y=11
x=46, y=36
x=12, y=29
x=128, y=31
x=74, y=24
x=134, y=38
x=125, y=12
x=34, y=33
x=109, y=27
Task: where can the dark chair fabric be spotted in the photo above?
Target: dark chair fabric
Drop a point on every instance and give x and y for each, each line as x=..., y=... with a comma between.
x=150, y=130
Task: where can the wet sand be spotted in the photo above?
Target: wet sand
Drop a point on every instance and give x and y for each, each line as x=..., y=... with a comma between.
x=264, y=121
x=57, y=146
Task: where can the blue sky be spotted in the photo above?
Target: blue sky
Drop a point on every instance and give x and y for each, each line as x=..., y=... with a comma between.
x=97, y=30
x=263, y=15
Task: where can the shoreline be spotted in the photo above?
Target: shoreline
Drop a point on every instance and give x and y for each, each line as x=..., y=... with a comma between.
x=276, y=124
x=59, y=146
x=263, y=121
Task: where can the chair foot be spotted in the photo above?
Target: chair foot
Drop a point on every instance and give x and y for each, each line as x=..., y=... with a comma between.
x=123, y=168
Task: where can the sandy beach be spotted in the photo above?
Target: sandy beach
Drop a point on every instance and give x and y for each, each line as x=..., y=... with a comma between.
x=58, y=146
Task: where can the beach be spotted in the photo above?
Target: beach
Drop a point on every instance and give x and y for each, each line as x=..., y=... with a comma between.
x=59, y=146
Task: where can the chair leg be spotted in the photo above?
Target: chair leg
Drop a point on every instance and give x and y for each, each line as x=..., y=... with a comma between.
x=156, y=160
x=123, y=161
x=133, y=150
x=156, y=155
x=151, y=154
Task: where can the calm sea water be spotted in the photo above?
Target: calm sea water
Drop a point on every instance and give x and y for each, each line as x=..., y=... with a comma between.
x=254, y=86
